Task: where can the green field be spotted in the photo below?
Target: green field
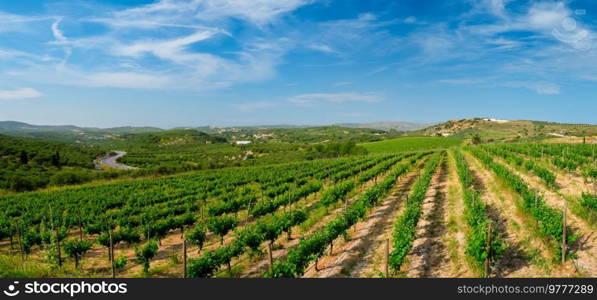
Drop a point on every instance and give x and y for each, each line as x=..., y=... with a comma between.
x=410, y=144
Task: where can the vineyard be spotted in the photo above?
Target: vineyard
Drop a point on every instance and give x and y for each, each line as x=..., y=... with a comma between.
x=498, y=210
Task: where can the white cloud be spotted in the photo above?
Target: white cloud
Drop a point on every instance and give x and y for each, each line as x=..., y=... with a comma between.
x=183, y=13
x=378, y=70
x=410, y=20
x=172, y=50
x=545, y=88
x=21, y=93
x=546, y=15
x=126, y=50
x=343, y=83
x=124, y=80
x=6, y=18
x=323, y=48
x=58, y=35
x=311, y=99
x=495, y=7
x=462, y=81
x=539, y=87
x=253, y=106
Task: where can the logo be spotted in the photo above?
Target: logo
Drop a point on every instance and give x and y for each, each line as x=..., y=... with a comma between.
x=12, y=290
x=573, y=33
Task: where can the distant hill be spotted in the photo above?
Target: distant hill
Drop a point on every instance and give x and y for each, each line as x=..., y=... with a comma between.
x=300, y=134
x=29, y=164
x=506, y=130
x=69, y=133
x=398, y=126
x=174, y=137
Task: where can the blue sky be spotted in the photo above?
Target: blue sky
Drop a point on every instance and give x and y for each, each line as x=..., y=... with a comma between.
x=235, y=62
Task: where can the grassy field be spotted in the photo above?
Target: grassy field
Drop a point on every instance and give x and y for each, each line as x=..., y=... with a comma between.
x=410, y=144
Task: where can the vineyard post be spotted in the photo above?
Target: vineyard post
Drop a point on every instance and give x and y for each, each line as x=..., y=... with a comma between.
x=80, y=227
x=184, y=257
x=488, y=259
x=387, y=258
x=111, y=255
x=20, y=239
x=110, y=241
x=59, y=251
x=202, y=209
x=271, y=257
x=594, y=168
x=564, y=246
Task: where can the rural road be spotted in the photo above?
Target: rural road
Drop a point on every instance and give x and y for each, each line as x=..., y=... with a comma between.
x=110, y=162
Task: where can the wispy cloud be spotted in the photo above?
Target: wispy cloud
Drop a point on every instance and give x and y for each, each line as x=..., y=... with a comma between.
x=253, y=106
x=311, y=99
x=379, y=69
x=180, y=13
x=462, y=81
x=58, y=35
x=343, y=83
x=323, y=48
x=540, y=87
x=20, y=93
x=132, y=41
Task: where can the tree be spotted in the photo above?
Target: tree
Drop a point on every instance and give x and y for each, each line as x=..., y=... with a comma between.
x=76, y=249
x=146, y=254
x=222, y=225
x=197, y=236
x=19, y=183
x=477, y=139
x=56, y=159
x=23, y=157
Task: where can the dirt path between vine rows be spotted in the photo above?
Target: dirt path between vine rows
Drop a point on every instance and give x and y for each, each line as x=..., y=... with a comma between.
x=526, y=255
x=455, y=238
x=569, y=183
x=348, y=256
x=429, y=255
x=586, y=246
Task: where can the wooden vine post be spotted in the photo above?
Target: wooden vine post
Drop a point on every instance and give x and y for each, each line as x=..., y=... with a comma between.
x=111, y=254
x=20, y=240
x=80, y=227
x=564, y=246
x=387, y=254
x=271, y=257
x=184, y=257
x=488, y=259
x=58, y=249
x=594, y=168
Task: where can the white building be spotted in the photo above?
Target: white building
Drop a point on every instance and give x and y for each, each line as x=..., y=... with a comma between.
x=243, y=142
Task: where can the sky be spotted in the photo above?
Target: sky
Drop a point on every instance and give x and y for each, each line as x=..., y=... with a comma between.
x=170, y=63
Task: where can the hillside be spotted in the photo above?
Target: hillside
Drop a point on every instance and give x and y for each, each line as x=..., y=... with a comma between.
x=411, y=144
x=398, y=126
x=169, y=138
x=69, y=133
x=299, y=134
x=505, y=130
x=28, y=164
